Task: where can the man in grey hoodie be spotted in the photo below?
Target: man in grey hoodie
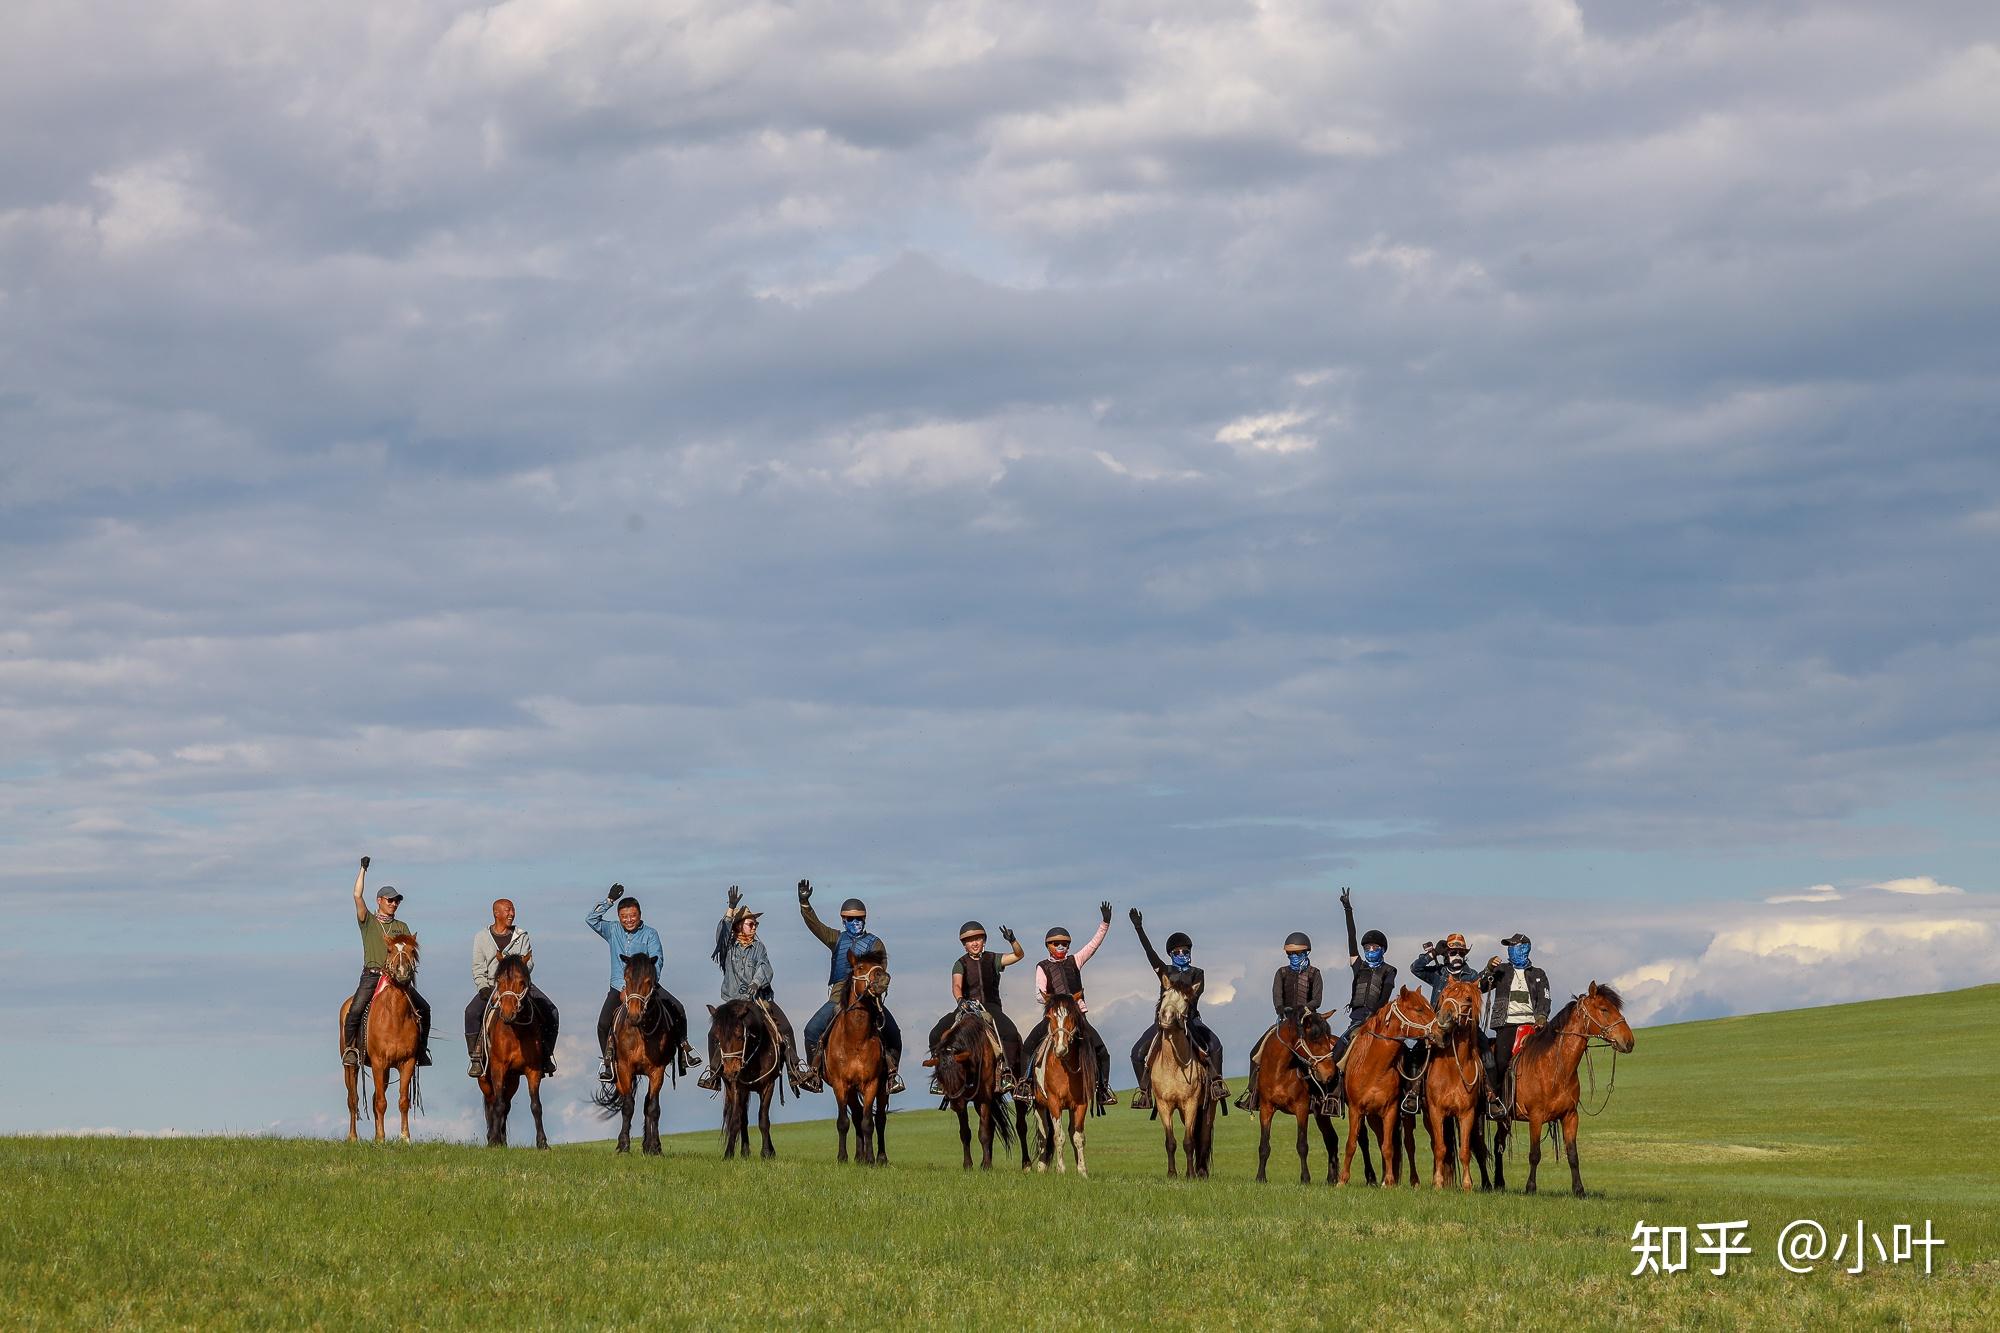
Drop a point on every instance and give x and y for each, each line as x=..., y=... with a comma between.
x=489, y=946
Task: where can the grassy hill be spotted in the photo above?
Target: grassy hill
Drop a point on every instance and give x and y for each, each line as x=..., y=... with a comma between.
x=1882, y=1112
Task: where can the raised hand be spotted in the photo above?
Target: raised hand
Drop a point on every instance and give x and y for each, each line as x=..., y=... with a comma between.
x=1006, y=934
x=1137, y=919
x=364, y=863
x=1105, y=908
x=735, y=896
x=617, y=892
x=805, y=890
x=1345, y=899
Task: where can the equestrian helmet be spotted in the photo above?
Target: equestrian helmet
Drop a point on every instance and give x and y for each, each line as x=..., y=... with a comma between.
x=1178, y=941
x=854, y=907
x=1056, y=935
x=1375, y=938
x=1298, y=942
x=971, y=928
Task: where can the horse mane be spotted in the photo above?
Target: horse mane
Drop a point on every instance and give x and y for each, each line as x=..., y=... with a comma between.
x=646, y=959
x=513, y=962
x=395, y=941
x=1173, y=999
x=1312, y=1027
x=877, y=954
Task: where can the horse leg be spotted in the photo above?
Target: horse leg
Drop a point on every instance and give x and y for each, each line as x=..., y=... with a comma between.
x=1434, y=1122
x=964, y=1135
x=403, y=1077
x=1166, y=1114
x=510, y=1083
x=1475, y=1136
x=1079, y=1116
x=535, y=1104
x=381, y=1072
x=654, y=1078
x=1332, y=1142
x=1534, y=1151
x=864, y=1132
x=1501, y=1133
x=986, y=1135
x=1388, y=1126
x=1569, y=1147
x=763, y=1121
x=1347, y=1161
x=353, y=1101
x=1264, y=1112
x=840, y=1119
x=1409, y=1126
x=882, y=1122
x=628, y=1087
x=1021, y=1131
x=1305, y=1166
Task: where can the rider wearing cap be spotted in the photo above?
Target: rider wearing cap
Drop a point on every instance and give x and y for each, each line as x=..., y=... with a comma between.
x=1177, y=969
x=747, y=975
x=1517, y=994
x=1296, y=990
x=489, y=946
x=376, y=928
x=846, y=944
x=975, y=979
x=628, y=936
x=1061, y=973
x=1443, y=962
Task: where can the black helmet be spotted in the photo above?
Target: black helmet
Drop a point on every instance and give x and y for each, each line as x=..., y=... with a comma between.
x=1178, y=941
x=854, y=907
x=971, y=928
x=1375, y=937
x=1298, y=940
x=1056, y=935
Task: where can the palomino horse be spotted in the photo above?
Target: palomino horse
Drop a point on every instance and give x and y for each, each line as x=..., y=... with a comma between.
x=1295, y=1073
x=513, y=1049
x=969, y=1064
x=1545, y=1086
x=646, y=1040
x=1065, y=1074
x=749, y=1059
x=388, y=1042
x=1180, y=1077
x=1373, y=1077
x=857, y=1065
x=1455, y=1089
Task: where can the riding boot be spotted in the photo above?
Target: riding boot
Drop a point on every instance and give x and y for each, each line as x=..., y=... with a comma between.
x=350, y=1046
x=688, y=1057
x=895, y=1081
x=475, y=1051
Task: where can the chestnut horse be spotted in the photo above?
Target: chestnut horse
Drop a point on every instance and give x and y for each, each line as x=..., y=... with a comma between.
x=1295, y=1074
x=1180, y=1078
x=1373, y=1077
x=1545, y=1090
x=1455, y=1089
x=857, y=1065
x=646, y=1040
x=389, y=1040
x=749, y=1059
x=969, y=1063
x=513, y=1048
x=1065, y=1074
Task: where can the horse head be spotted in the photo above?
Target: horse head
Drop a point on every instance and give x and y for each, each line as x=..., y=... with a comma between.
x=402, y=963
x=1318, y=1046
x=738, y=1038
x=1172, y=1012
x=1458, y=1006
x=958, y=1056
x=640, y=978
x=1604, y=1016
x=1062, y=1018
x=510, y=988
x=869, y=981
x=1410, y=1016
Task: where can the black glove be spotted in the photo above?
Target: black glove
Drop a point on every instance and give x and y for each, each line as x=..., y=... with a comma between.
x=735, y=896
x=1137, y=919
x=617, y=892
x=805, y=890
x=1006, y=934
x=1344, y=900
x=1105, y=908
x=364, y=863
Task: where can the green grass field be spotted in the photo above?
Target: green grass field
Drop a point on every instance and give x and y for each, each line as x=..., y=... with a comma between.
x=1836, y=1114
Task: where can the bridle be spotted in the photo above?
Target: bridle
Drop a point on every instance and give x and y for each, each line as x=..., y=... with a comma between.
x=1595, y=1033
x=648, y=1005
x=1462, y=1015
x=741, y=1054
x=524, y=1004
x=1308, y=1060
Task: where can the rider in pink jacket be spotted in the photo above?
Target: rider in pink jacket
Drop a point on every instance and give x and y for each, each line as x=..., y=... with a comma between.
x=1061, y=973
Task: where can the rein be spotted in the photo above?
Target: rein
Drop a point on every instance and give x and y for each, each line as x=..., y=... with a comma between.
x=651, y=1005
x=1594, y=1034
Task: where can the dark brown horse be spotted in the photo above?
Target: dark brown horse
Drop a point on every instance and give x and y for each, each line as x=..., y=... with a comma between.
x=749, y=1060
x=1180, y=1076
x=857, y=1064
x=1546, y=1090
x=1373, y=1077
x=513, y=1049
x=969, y=1064
x=1295, y=1074
x=1455, y=1089
x=1065, y=1074
x=646, y=1040
x=388, y=1042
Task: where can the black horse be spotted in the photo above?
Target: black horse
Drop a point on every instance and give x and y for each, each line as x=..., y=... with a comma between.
x=968, y=1070
x=749, y=1062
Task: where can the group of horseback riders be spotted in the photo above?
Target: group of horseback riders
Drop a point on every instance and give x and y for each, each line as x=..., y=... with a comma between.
x=1517, y=992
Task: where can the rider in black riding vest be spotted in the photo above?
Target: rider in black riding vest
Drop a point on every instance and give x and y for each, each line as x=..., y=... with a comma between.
x=975, y=979
x=1062, y=974
x=1177, y=969
x=1297, y=989
x=1374, y=985
x=1517, y=993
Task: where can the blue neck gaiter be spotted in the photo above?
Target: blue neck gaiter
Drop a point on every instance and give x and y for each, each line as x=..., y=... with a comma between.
x=854, y=925
x=1372, y=956
x=1517, y=954
x=1298, y=962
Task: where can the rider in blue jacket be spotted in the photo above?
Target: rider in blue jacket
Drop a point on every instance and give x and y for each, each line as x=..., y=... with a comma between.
x=628, y=935
x=850, y=941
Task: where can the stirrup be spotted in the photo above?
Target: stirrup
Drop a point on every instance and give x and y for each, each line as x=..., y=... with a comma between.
x=688, y=1057
x=607, y=1073
x=1218, y=1090
x=350, y=1057
x=1248, y=1101
x=937, y=1086
x=1412, y=1104
x=1106, y=1097
x=475, y=1065
x=1142, y=1100
x=708, y=1080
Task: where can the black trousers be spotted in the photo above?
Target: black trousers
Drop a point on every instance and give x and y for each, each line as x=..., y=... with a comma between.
x=1085, y=1031
x=778, y=1020
x=357, y=1011
x=1010, y=1036
x=546, y=1016
x=1500, y=1056
x=609, y=1013
x=1205, y=1039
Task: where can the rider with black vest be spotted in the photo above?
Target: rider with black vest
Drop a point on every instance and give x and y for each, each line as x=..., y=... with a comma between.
x=975, y=979
x=1517, y=994
x=1374, y=981
x=851, y=941
x=1062, y=974
x=1297, y=989
x=1177, y=969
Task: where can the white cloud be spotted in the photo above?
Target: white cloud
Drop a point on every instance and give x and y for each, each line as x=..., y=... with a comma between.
x=1268, y=433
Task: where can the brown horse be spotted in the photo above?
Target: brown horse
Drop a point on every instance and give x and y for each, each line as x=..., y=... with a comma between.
x=857, y=1064
x=513, y=1049
x=1455, y=1089
x=1373, y=1077
x=1065, y=1074
x=969, y=1064
x=1545, y=1089
x=388, y=1042
x=1180, y=1076
x=749, y=1060
x=646, y=1040
x=1295, y=1074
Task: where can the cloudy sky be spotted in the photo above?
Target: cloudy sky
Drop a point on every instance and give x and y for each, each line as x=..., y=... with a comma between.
x=1534, y=463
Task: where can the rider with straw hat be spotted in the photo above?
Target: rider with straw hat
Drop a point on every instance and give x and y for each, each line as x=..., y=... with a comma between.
x=747, y=975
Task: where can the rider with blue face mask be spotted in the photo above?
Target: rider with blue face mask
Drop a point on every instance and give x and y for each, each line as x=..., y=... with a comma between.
x=1297, y=988
x=1374, y=978
x=846, y=944
x=1517, y=995
x=1176, y=969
